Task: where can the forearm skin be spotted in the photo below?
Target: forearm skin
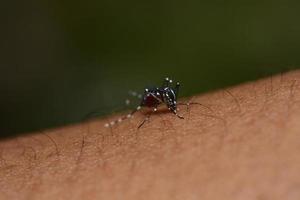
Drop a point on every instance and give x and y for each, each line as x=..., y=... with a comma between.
x=243, y=143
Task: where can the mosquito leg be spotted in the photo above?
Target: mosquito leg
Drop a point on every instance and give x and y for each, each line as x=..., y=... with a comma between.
x=135, y=94
x=179, y=116
x=112, y=123
x=177, y=89
x=147, y=118
x=194, y=103
x=143, y=122
x=167, y=82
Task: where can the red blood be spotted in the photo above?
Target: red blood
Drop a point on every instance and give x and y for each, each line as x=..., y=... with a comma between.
x=151, y=101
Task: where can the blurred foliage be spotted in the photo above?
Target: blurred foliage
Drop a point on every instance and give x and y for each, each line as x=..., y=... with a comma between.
x=64, y=59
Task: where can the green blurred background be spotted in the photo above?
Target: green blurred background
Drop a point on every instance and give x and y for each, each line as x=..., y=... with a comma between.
x=64, y=59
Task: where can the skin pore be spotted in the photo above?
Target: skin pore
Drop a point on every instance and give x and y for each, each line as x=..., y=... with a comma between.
x=243, y=144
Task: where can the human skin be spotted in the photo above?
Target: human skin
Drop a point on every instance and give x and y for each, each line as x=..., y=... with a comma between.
x=244, y=143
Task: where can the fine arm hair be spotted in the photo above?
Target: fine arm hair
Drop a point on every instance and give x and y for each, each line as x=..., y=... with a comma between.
x=240, y=142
